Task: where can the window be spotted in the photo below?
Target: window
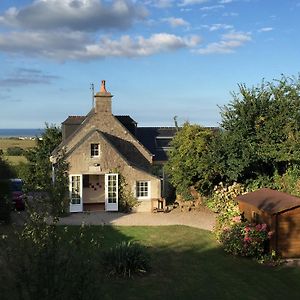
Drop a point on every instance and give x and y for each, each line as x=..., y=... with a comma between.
x=163, y=143
x=95, y=150
x=142, y=189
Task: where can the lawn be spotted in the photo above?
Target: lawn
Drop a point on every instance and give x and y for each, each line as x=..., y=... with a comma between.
x=187, y=263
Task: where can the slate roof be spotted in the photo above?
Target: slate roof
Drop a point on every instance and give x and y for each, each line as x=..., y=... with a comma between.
x=128, y=122
x=124, y=119
x=74, y=120
x=270, y=201
x=128, y=150
x=148, y=137
x=155, y=139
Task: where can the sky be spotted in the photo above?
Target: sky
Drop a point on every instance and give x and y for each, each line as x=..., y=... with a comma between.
x=160, y=58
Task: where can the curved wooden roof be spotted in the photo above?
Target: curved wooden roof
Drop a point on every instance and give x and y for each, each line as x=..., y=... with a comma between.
x=270, y=201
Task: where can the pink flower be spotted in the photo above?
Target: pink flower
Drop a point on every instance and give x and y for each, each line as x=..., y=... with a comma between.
x=247, y=239
x=236, y=219
x=258, y=227
x=263, y=227
x=247, y=229
x=226, y=228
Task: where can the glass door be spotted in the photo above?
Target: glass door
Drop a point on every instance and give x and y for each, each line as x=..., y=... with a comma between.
x=111, y=192
x=75, y=189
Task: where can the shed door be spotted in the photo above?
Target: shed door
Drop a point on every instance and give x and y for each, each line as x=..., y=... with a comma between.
x=288, y=232
x=111, y=192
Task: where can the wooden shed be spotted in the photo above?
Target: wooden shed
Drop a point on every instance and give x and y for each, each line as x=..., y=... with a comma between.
x=281, y=212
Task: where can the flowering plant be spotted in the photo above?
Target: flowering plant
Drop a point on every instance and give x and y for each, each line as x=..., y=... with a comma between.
x=244, y=238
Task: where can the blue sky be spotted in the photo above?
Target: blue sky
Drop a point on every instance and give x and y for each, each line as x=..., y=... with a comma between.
x=160, y=58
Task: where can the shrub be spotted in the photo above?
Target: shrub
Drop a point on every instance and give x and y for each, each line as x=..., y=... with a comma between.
x=127, y=201
x=44, y=262
x=223, y=202
x=245, y=239
x=126, y=259
x=5, y=201
x=15, y=151
x=223, y=197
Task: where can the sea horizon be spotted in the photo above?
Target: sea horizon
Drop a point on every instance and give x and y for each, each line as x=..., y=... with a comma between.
x=20, y=132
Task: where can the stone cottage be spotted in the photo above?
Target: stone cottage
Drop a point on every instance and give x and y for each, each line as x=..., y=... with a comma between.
x=100, y=146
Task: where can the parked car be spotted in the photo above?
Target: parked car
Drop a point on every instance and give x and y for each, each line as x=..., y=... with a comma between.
x=17, y=193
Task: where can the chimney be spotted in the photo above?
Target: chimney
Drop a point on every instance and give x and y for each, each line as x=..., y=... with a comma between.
x=103, y=100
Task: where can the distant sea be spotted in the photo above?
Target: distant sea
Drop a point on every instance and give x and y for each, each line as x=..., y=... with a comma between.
x=31, y=132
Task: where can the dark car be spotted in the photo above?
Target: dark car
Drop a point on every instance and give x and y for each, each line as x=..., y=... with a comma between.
x=17, y=193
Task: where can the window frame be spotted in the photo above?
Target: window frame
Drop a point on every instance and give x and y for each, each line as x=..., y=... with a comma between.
x=139, y=191
x=93, y=150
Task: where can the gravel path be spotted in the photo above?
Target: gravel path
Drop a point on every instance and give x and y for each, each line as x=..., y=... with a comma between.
x=199, y=219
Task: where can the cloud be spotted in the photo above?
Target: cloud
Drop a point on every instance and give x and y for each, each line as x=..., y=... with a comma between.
x=191, y=2
x=162, y=3
x=26, y=76
x=175, y=22
x=230, y=14
x=84, y=15
x=225, y=1
x=218, y=26
x=74, y=45
x=212, y=7
x=228, y=43
x=265, y=29
x=140, y=46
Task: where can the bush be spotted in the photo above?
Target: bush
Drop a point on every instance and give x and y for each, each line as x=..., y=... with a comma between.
x=44, y=262
x=126, y=259
x=127, y=202
x=245, y=239
x=223, y=197
x=5, y=201
x=15, y=151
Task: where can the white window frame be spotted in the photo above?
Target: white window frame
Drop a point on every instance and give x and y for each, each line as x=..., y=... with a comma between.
x=148, y=189
x=93, y=150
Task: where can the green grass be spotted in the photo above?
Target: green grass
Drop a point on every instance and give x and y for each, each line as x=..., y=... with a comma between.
x=15, y=160
x=15, y=142
x=187, y=263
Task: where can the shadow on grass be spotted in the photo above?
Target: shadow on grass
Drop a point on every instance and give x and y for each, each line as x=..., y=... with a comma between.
x=187, y=264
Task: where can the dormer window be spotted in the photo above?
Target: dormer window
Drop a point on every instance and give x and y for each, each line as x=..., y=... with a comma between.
x=95, y=150
x=163, y=142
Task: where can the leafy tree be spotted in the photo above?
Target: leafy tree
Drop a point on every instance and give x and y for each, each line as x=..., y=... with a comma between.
x=38, y=174
x=59, y=199
x=261, y=131
x=187, y=164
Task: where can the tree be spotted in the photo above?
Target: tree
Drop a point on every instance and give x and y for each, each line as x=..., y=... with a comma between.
x=38, y=173
x=5, y=190
x=261, y=131
x=187, y=163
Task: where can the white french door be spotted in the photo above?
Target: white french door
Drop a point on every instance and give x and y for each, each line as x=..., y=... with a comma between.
x=75, y=189
x=111, y=192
